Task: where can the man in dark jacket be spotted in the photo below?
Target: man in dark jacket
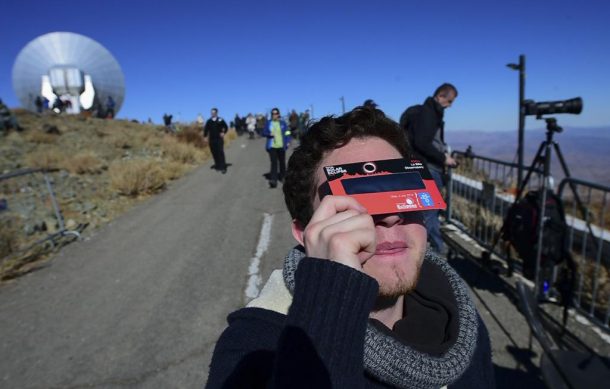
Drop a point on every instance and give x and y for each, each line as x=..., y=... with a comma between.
x=359, y=302
x=214, y=133
x=425, y=129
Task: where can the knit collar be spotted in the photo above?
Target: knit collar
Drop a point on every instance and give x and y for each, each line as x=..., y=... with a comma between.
x=394, y=363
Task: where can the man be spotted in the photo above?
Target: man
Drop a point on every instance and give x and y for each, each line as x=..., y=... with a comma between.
x=7, y=120
x=293, y=120
x=370, y=103
x=278, y=140
x=110, y=104
x=167, y=121
x=214, y=133
x=251, y=125
x=359, y=303
x=424, y=125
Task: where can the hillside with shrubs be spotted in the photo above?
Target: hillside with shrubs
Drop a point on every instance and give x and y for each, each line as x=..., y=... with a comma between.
x=98, y=168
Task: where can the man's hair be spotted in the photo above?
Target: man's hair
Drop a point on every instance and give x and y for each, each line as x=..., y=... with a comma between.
x=275, y=110
x=215, y=109
x=444, y=89
x=324, y=136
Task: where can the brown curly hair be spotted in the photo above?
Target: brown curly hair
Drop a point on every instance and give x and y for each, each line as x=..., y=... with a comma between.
x=322, y=137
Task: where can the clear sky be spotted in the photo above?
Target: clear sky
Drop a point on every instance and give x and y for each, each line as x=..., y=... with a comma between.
x=183, y=57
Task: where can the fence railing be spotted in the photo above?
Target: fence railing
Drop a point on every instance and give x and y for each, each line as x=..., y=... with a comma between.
x=479, y=194
x=29, y=212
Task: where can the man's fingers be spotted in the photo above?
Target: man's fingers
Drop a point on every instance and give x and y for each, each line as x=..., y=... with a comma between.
x=341, y=238
x=332, y=205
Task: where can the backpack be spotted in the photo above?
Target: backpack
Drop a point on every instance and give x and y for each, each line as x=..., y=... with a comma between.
x=521, y=230
x=408, y=119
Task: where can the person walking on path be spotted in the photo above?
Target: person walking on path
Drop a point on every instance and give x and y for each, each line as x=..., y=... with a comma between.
x=293, y=121
x=278, y=140
x=424, y=127
x=214, y=133
x=251, y=125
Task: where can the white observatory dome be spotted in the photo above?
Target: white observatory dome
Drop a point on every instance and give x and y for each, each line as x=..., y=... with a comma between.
x=68, y=66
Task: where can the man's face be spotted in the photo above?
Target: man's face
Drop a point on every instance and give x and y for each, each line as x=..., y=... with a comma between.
x=275, y=115
x=401, y=238
x=446, y=99
x=214, y=113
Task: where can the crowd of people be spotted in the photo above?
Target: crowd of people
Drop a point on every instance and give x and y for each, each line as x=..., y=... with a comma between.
x=255, y=124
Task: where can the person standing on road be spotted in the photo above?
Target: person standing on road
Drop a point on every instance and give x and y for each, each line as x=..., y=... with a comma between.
x=214, y=133
x=359, y=303
x=251, y=125
x=424, y=127
x=278, y=140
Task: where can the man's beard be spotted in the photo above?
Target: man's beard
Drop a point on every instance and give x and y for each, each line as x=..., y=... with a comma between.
x=402, y=285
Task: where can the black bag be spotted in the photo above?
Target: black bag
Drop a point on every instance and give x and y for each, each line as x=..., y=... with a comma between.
x=407, y=120
x=521, y=230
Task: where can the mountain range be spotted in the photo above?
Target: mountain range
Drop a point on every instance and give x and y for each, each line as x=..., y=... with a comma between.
x=585, y=150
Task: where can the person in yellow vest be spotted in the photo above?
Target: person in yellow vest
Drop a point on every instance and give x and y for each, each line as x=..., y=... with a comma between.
x=278, y=140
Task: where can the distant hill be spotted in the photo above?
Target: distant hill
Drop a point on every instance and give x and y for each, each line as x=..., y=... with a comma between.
x=586, y=150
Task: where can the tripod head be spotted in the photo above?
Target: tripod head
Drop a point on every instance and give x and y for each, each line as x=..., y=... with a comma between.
x=552, y=126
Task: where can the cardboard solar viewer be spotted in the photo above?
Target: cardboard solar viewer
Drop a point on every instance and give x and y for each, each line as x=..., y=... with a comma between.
x=387, y=186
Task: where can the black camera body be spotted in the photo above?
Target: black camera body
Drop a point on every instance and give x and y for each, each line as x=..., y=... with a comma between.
x=573, y=106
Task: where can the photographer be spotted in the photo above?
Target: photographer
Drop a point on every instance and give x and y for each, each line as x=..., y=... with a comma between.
x=359, y=302
x=424, y=126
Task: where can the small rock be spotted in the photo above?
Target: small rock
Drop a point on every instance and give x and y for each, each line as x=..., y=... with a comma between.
x=51, y=129
x=71, y=224
x=88, y=207
x=29, y=229
x=51, y=225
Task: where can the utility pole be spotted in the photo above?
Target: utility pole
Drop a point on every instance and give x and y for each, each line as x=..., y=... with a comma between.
x=311, y=109
x=521, y=68
x=342, y=104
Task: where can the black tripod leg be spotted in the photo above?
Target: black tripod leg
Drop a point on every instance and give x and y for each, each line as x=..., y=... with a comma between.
x=581, y=207
x=530, y=170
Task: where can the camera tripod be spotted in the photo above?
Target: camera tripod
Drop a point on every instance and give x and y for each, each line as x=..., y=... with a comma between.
x=541, y=159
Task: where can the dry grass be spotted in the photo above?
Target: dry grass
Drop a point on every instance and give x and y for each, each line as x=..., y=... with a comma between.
x=137, y=176
x=191, y=135
x=231, y=135
x=120, y=139
x=86, y=162
x=587, y=269
x=181, y=152
x=46, y=158
x=173, y=169
x=40, y=137
x=8, y=238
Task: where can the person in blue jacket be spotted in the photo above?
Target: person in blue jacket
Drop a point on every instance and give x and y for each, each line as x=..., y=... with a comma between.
x=278, y=140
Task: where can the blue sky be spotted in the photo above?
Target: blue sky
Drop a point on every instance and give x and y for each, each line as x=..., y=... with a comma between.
x=184, y=57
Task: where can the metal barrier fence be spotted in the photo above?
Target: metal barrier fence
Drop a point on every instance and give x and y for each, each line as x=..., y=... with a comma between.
x=479, y=194
x=29, y=212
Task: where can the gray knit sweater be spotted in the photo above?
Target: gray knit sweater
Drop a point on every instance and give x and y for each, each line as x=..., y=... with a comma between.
x=399, y=365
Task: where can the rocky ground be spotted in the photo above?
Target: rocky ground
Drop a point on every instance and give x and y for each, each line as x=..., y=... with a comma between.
x=98, y=169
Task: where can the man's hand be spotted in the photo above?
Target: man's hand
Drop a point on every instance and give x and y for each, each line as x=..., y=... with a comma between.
x=339, y=230
x=222, y=134
x=449, y=161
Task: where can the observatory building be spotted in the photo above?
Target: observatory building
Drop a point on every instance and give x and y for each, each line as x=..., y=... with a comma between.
x=71, y=68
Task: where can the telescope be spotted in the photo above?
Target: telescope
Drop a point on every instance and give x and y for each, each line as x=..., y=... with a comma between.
x=573, y=106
